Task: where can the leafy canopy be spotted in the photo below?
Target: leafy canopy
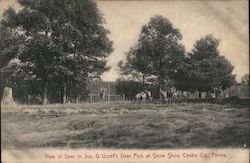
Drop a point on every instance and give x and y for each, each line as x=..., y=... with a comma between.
x=209, y=69
x=158, y=51
x=62, y=40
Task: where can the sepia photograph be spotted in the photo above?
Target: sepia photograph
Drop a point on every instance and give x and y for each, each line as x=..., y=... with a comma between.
x=124, y=80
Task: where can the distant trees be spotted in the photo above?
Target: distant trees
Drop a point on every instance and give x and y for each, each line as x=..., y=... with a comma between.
x=209, y=69
x=158, y=52
x=244, y=80
x=64, y=41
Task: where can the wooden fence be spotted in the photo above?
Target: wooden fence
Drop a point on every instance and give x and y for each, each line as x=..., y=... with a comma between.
x=194, y=95
x=241, y=92
x=94, y=87
x=107, y=98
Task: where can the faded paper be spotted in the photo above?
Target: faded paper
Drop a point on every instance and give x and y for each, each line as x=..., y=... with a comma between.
x=226, y=20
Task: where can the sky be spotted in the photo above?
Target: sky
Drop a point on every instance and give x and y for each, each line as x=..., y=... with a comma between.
x=227, y=20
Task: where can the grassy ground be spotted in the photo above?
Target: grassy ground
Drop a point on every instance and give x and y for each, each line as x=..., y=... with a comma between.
x=126, y=125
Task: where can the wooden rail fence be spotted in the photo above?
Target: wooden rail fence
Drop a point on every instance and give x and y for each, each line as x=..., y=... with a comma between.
x=241, y=92
x=107, y=98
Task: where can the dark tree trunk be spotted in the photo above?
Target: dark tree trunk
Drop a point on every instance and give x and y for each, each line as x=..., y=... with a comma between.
x=200, y=94
x=208, y=94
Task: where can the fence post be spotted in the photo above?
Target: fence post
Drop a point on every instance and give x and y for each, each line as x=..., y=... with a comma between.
x=90, y=98
x=108, y=97
x=123, y=97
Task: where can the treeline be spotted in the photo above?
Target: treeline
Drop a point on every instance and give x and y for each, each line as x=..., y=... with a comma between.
x=160, y=58
x=31, y=91
x=50, y=48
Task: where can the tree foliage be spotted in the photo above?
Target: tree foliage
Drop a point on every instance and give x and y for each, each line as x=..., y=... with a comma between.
x=158, y=51
x=64, y=40
x=11, y=44
x=128, y=87
x=208, y=68
x=244, y=80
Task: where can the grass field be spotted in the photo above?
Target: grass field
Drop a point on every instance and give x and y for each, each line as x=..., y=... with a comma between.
x=126, y=125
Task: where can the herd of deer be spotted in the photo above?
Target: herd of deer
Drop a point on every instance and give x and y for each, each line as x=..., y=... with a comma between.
x=171, y=95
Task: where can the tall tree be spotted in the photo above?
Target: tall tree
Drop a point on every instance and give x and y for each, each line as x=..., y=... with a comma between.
x=209, y=68
x=65, y=40
x=158, y=51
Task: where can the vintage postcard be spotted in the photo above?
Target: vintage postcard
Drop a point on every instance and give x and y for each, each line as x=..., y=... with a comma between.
x=124, y=81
